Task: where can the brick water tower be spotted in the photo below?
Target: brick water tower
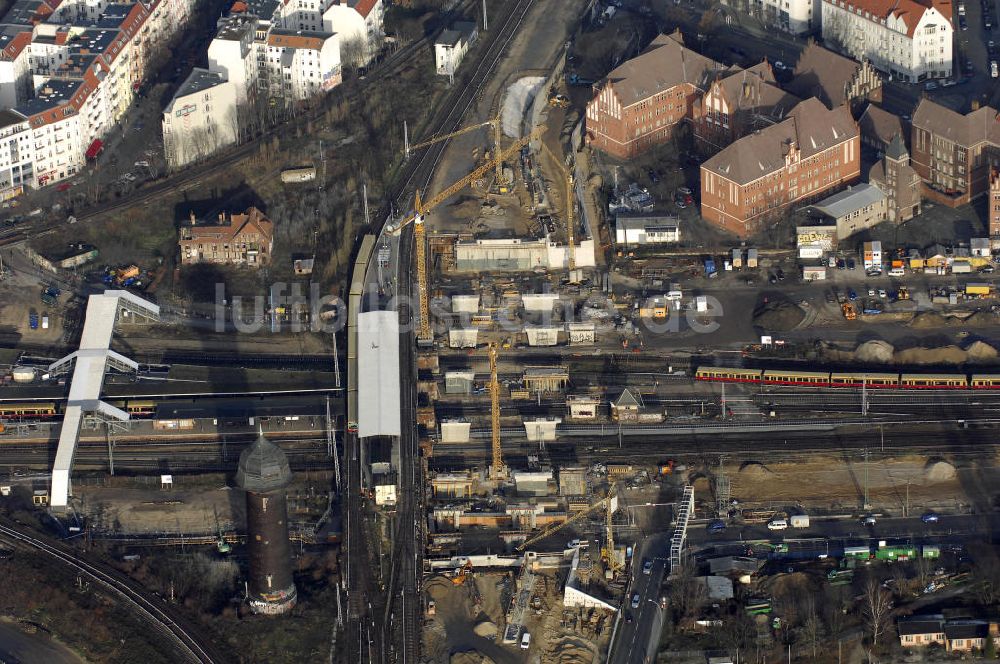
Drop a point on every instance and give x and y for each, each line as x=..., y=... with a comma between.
x=263, y=473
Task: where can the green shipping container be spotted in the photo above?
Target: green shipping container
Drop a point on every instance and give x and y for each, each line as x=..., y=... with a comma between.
x=930, y=551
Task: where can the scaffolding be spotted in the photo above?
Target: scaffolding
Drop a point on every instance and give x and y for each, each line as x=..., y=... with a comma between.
x=685, y=511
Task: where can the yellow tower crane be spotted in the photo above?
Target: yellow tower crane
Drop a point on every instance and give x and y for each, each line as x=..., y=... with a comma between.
x=497, y=137
x=497, y=470
x=609, y=509
x=570, y=204
x=608, y=504
x=421, y=208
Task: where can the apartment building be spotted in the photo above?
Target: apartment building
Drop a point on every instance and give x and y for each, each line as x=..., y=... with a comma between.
x=750, y=183
x=834, y=79
x=451, y=46
x=640, y=103
x=232, y=55
x=301, y=64
x=358, y=22
x=15, y=65
x=201, y=119
x=952, y=152
x=799, y=17
x=909, y=40
x=738, y=104
x=72, y=69
x=17, y=155
x=246, y=239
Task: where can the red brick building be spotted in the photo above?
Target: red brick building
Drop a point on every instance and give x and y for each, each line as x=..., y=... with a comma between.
x=641, y=102
x=735, y=105
x=953, y=153
x=237, y=239
x=749, y=184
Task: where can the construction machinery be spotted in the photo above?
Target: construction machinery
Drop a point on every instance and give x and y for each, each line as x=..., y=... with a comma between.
x=609, y=504
x=570, y=204
x=497, y=471
x=461, y=573
x=850, y=313
x=421, y=208
x=501, y=183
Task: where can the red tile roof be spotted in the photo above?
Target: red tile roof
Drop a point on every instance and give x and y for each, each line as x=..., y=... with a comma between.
x=364, y=7
x=910, y=11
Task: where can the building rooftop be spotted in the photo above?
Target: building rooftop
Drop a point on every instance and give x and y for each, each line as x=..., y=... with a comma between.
x=645, y=222
x=235, y=27
x=966, y=130
x=850, y=200
x=823, y=74
x=908, y=11
x=197, y=81
x=9, y=116
x=305, y=39
x=449, y=38
x=810, y=127
x=53, y=94
x=754, y=89
x=665, y=64
x=966, y=629
x=881, y=123
x=263, y=467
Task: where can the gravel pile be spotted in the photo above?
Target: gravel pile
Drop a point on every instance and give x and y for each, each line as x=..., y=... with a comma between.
x=779, y=316
x=939, y=471
x=874, y=352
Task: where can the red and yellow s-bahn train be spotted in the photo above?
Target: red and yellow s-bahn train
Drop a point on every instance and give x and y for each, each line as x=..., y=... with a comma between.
x=40, y=410
x=906, y=381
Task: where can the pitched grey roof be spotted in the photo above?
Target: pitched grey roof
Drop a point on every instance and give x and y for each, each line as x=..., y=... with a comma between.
x=627, y=399
x=850, y=200
x=896, y=149
x=925, y=624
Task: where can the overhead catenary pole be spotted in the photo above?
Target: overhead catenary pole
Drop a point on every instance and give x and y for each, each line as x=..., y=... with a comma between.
x=406, y=140
x=486, y=25
x=364, y=201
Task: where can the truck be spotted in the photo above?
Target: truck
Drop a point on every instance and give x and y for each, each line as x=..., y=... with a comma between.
x=33, y=320
x=304, y=174
x=799, y=521
x=977, y=290
x=752, y=259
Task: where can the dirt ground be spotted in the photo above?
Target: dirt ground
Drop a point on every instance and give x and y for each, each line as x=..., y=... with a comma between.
x=836, y=483
x=558, y=636
x=19, y=296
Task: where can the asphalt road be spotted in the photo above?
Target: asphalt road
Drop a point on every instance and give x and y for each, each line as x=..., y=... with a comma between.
x=638, y=630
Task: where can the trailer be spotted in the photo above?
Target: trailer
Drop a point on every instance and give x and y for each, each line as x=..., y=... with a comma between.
x=799, y=520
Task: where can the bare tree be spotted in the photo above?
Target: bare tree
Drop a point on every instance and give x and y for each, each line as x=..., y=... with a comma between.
x=876, y=605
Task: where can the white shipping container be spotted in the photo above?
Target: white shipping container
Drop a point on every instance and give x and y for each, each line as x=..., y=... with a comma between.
x=701, y=303
x=45, y=322
x=23, y=374
x=799, y=520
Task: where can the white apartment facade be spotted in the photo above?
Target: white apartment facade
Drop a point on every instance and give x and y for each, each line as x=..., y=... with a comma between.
x=17, y=155
x=358, y=22
x=15, y=66
x=907, y=40
x=201, y=119
x=232, y=54
x=798, y=17
x=302, y=64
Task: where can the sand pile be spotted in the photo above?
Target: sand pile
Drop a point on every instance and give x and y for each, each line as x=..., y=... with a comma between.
x=570, y=650
x=470, y=657
x=980, y=318
x=755, y=470
x=779, y=316
x=941, y=355
x=926, y=320
x=874, y=352
x=939, y=471
x=485, y=629
x=980, y=351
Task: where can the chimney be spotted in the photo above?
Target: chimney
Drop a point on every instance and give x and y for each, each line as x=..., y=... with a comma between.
x=194, y=220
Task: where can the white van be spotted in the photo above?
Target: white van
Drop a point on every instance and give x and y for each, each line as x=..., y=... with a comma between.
x=777, y=524
x=525, y=641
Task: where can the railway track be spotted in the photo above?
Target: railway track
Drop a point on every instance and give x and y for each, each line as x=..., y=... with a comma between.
x=170, y=627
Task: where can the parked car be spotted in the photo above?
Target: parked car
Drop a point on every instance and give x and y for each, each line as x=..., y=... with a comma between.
x=777, y=524
x=868, y=520
x=647, y=567
x=851, y=295
x=716, y=526
x=841, y=263
x=780, y=274
x=930, y=85
x=881, y=292
x=653, y=177
x=993, y=69
x=930, y=517
x=987, y=269
x=851, y=264
x=635, y=601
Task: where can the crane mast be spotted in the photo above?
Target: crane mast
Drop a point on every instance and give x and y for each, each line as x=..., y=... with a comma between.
x=497, y=469
x=570, y=207
x=421, y=208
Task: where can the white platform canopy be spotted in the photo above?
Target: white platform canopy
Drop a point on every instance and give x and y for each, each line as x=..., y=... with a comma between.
x=91, y=363
x=378, y=374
